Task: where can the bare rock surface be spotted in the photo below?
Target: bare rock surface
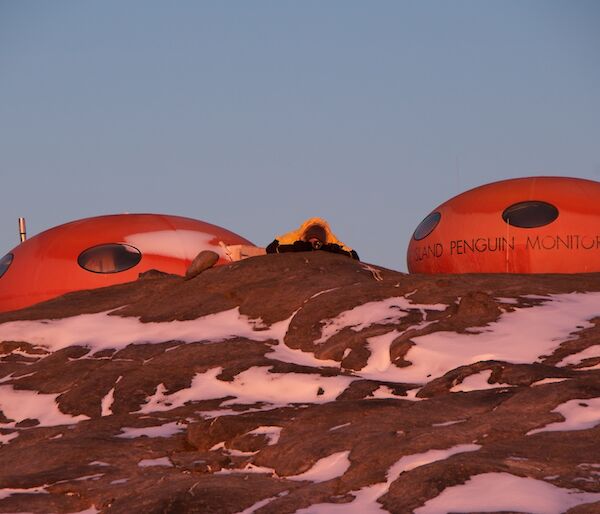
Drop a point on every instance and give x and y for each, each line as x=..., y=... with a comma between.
x=301, y=383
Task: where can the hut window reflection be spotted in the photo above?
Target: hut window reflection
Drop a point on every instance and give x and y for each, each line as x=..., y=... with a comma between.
x=5, y=263
x=530, y=214
x=109, y=258
x=427, y=225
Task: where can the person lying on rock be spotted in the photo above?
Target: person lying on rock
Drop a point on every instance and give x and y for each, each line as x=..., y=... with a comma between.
x=313, y=234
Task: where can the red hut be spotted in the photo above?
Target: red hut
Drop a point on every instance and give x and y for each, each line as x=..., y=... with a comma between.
x=525, y=225
x=102, y=251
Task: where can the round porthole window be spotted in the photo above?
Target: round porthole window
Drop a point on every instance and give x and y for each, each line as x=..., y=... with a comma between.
x=427, y=225
x=530, y=214
x=109, y=258
x=5, y=263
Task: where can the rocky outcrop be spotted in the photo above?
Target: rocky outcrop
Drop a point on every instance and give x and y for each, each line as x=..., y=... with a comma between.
x=302, y=383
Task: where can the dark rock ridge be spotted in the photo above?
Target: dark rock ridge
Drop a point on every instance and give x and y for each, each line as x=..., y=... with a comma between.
x=212, y=395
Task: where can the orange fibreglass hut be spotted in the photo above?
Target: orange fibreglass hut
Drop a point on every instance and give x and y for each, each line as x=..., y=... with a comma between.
x=102, y=251
x=524, y=225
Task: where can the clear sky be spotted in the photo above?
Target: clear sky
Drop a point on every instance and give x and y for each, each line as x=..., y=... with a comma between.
x=255, y=115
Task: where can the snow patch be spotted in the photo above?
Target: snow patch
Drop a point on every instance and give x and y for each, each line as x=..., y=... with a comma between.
x=383, y=392
x=379, y=366
x=493, y=492
x=477, y=382
x=283, y=353
x=254, y=385
x=589, y=368
x=411, y=395
x=552, y=380
x=22, y=404
x=576, y=358
x=248, y=468
x=107, y=402
x=6, y=438
x=448, y=423
x=421, y=459
x=384, y=312
x=519, y=337
x=239, y=453
x=579, y=414
x=327, y=468
x=166, y=430
x=10, y=378
x=100, y=331
x=271, y=432
x=365, y=499
x=161, y=461
x=97, y=476
x=6, y=492
x=339, y=426
x=262, y=503
x=510, y=301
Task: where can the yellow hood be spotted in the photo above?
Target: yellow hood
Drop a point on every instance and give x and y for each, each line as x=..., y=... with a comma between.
x=297, y=235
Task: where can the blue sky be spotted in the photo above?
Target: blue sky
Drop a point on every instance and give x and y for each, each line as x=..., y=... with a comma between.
x=257, y=115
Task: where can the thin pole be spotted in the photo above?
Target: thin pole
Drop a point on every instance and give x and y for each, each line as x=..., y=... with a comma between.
x=22, y=229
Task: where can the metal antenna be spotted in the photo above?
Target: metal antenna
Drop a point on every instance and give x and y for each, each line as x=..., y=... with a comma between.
x=22, y=229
